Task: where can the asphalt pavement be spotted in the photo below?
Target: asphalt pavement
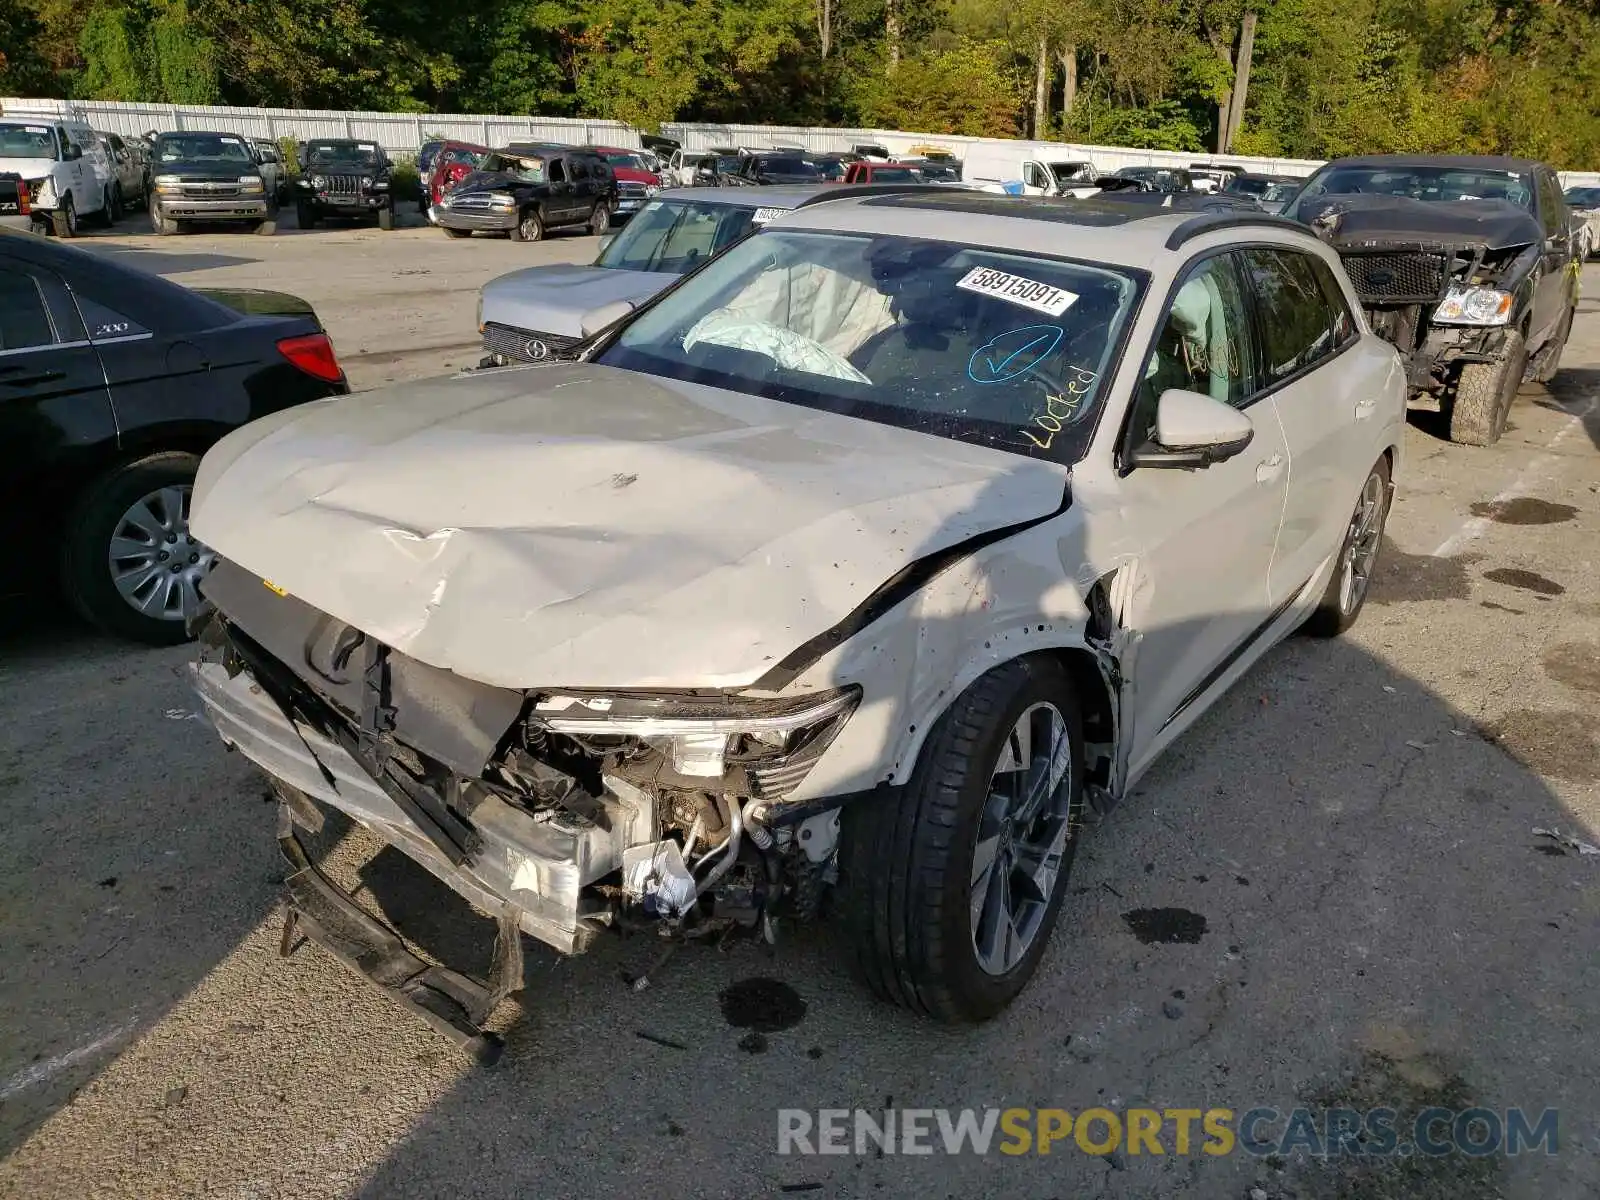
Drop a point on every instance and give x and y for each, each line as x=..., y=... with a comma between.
x=1330, y=893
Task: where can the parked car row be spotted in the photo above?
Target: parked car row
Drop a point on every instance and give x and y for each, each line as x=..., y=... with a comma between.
x=56, y=171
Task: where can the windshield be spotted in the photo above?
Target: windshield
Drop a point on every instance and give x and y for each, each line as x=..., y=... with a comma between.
x=788, y=166
x=1070, y=170
x=528, y=170
x=1001, y=349
x=672, y=236
x=219, y=148
x=1583, y=197
x=1280, y=192
x=27, y=141
x=894, y=175
x=830, y=169
x=1421, y=183
x=625, y=160
x=349, y=154
x=1244, y=185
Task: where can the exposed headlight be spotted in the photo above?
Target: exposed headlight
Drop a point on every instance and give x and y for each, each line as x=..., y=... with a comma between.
x=43, y=191
x=1468, y=305
x=251, y=183
x=702, y=736
x=501, y=200
x=319, y=181
x=167, y=183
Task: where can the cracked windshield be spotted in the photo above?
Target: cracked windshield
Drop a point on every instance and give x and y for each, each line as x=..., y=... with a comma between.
x=1000, y=349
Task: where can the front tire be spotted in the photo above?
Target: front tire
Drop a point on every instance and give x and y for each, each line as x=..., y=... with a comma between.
x=163, y=226
x=1347, y=589
x=949, y=888
x=305, y=216
x=457, y=233
x=600, y=220
x=114, y=207
x=128, y=564
x=529, y=227
x=64, y=221
x=266, y=228
x=1484, y=394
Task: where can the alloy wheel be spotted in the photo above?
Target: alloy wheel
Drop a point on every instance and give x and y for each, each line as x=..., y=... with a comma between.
x=1361, y=544
x=1022, y=838
x=155, y=563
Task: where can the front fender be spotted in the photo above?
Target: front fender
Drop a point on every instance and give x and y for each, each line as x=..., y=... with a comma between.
x=1011, y=599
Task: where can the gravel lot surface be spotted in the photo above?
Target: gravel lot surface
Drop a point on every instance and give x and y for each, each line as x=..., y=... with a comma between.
x=1354, y=824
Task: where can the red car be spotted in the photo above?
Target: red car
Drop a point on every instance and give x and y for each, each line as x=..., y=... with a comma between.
x=881, y=172
x=450, y=163
x=635, y=183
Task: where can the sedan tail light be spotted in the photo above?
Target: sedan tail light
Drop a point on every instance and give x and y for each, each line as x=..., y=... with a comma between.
x=313, y=354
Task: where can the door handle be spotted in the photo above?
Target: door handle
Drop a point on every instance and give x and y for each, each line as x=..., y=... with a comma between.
x=1365, y=408
x=1269, y=469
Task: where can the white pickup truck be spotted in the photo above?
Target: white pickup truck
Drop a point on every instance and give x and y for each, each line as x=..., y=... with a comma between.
x=59, y=160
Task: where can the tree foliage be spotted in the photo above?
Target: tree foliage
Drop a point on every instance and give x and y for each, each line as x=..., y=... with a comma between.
x=1329, y=77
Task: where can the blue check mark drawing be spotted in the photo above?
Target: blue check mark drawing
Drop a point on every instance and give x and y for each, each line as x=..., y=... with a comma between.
x=983, y=359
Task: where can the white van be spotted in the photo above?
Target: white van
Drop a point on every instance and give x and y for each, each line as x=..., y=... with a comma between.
x=68, y=173
x=1031, y=168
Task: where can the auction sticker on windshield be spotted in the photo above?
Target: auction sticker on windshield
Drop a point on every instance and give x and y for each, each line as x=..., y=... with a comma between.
x=1041, y=297
x=763, y=215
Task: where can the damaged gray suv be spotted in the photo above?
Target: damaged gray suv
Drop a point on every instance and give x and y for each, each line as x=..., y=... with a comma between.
x=865, y=560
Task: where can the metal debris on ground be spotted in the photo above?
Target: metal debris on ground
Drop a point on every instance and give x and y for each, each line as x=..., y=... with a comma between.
x=1567, y=840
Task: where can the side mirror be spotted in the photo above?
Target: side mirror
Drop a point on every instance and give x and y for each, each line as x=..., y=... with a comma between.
x=604, y=317
x=72, y=153
x=1193, y=430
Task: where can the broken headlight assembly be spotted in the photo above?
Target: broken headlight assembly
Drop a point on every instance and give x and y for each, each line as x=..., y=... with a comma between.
x=1471, y=304
x=760, y=748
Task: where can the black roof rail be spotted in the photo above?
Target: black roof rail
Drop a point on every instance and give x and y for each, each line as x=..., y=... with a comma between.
x=1208, y=222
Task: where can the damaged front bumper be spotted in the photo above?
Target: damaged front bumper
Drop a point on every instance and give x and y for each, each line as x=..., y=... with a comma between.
x=540, y=867
x=561, y=814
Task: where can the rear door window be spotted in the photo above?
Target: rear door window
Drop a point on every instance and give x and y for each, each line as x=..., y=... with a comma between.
x=24, y=319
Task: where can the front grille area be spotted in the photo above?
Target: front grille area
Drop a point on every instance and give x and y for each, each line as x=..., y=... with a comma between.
x=521, y=345
x=476, y=201
x=632, y=191
x=344, y=185
x=209, y=191
x=1414, y=278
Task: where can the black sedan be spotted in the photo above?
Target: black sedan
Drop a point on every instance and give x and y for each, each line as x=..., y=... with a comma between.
x=113, y=383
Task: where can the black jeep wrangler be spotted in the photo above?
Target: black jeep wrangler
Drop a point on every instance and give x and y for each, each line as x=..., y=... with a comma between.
x=344, y=177
x=1466, y=263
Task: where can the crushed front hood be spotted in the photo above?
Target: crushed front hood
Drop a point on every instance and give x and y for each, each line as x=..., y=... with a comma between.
x=554, y=299
x=1369, y=222
x=591, y=527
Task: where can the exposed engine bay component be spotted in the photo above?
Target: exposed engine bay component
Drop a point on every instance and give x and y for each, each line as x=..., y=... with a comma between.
x=584, y=808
